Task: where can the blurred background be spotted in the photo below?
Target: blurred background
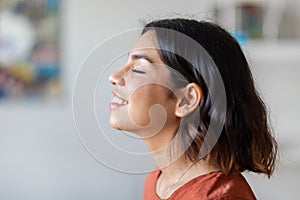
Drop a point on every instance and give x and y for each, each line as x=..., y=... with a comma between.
x=44, y=42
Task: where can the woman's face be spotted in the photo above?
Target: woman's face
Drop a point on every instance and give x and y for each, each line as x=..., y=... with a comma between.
x=142, y=101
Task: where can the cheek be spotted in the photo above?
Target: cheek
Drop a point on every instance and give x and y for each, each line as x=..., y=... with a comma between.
x=139, y=109
x=143, y=105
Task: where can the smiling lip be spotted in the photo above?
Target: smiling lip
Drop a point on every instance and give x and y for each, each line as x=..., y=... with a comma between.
x=117, y=101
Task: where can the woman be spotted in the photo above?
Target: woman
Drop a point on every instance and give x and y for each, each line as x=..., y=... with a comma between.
x=181, y=77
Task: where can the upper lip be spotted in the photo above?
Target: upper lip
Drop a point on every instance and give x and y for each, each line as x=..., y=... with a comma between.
x=117, y=95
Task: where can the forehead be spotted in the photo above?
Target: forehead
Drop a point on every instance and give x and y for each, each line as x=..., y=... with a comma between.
x=146, y=41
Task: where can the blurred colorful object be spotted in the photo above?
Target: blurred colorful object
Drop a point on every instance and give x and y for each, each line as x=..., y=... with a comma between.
x=249, y=19
x=29, y=49
x=241, y=37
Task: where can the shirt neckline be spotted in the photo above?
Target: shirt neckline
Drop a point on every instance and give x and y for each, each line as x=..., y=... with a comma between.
x=184, y=185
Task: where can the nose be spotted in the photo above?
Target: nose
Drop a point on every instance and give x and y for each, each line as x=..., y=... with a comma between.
x=117, y=78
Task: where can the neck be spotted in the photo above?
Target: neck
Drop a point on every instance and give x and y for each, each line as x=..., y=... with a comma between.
x=176, y=168
x=159, y=145
x=195, y=168
x=159, y=141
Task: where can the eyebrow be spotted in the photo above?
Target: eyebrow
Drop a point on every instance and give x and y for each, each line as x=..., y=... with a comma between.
x=141, y=56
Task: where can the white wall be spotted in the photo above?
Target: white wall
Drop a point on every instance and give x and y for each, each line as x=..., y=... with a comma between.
x=41, y=156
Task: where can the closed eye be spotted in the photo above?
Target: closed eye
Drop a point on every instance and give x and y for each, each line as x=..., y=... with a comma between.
x=138, y=71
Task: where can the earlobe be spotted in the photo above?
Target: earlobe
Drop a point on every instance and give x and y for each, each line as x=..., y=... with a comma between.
x=189, y=100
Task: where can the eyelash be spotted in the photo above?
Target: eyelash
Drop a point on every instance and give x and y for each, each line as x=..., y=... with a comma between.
x=137, y=71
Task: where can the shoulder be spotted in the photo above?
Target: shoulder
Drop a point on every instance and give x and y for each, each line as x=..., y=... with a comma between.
x=233, y=186
x=217, y=186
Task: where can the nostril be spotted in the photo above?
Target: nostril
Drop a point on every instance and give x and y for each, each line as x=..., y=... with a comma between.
x=112, y=80
x=116, y=79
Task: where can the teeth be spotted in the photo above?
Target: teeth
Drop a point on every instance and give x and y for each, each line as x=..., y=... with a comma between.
x=117, y=100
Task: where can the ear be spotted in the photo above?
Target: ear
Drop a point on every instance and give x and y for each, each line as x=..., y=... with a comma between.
x=188, y=99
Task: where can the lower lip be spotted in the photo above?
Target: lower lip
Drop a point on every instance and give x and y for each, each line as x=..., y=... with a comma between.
x=113, y=106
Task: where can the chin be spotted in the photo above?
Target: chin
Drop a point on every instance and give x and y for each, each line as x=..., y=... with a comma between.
x=114, y=124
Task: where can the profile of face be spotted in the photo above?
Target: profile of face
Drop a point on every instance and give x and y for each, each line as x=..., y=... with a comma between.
x=143, y=101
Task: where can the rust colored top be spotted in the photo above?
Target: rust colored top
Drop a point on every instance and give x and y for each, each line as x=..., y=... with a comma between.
x=214, y=185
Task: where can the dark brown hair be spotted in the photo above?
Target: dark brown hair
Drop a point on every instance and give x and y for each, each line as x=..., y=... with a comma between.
x=246, y=141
